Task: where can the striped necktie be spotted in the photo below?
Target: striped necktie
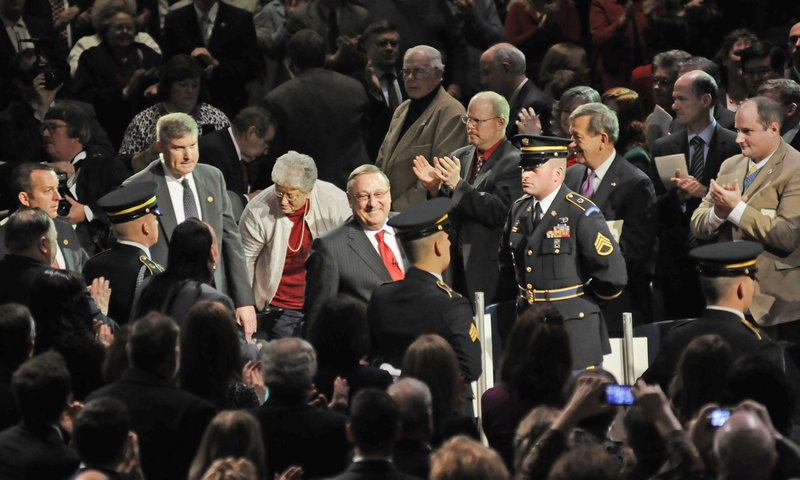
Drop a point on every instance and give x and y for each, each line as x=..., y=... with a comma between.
x=751, y=175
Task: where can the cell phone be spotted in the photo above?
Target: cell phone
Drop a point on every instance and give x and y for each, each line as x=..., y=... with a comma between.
x=719, y=417
x=619, y=394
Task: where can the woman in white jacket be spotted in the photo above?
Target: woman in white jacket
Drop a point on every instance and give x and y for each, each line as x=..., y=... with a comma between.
x=277, y=228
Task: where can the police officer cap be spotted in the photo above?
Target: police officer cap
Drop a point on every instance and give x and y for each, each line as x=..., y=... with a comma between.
x=727, y=259
x=535, y=150
x=423, y=219
x=130, y=202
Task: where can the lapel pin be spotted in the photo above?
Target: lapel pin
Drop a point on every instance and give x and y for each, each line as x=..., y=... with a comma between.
x=210, y=199
x=66, y=242
x=553, y=213
x=613, y=184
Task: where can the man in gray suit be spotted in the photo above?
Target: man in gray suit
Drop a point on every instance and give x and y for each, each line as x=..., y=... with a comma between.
x=357, y=257
x=694, y=101
x=188, y=189
x=483, y=181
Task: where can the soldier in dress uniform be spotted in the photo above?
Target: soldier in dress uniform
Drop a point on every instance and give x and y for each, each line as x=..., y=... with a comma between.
x=133, y=214
x=421, y=303
x=727, y=274
x=557, y=248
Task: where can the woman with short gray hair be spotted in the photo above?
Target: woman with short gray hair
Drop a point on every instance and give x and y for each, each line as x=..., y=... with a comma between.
x=277, y=227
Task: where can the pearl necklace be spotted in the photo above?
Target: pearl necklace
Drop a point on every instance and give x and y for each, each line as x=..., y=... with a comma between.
x=302, y=232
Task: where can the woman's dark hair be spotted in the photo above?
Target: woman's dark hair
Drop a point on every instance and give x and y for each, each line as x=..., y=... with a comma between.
x=340, y=334
x=180, y=67
x=433, y=361
x=700, y=375
x=189, y=258
x=537, y=361
x=759, y=377
x=210, y=352
x=232, y=433
x=61, y=308
x=630, y=115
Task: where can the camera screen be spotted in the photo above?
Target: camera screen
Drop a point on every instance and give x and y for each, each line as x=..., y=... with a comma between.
x=619, y=395
x=719, y=417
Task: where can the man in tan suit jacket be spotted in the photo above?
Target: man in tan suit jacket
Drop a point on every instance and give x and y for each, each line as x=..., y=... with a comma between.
x=756, y=196
x=427, y=124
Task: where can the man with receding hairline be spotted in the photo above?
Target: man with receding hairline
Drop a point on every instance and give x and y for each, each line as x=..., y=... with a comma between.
x=704, y=144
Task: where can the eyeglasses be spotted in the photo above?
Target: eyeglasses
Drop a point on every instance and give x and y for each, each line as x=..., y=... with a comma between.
x=50, y=127
x=416, y=73
x=292, y=197
x=385, y=43
x=475, y=121
x=365, y=197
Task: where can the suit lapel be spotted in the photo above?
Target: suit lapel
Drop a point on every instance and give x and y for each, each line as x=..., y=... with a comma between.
x=466, y=163
x=167, y=220
x=361, y=245
x=769, y=171
x=609, y=183
x=486, y=170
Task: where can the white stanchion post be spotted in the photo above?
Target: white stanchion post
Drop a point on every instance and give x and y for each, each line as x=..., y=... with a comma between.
x=486, y=381
x=629, y=377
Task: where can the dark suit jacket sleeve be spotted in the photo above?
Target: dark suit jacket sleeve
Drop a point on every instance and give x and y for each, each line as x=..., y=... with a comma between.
x=639, y=226
x=459, y=320
x=322, y=278
x=239, y=287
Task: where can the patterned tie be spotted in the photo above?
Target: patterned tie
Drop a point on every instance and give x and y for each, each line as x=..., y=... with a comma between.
x=22, y=34
x=394, y=101
x=751, y=175
x=205, y=28
x=388, y=258
x=189, y=205
x=587, y=189
x=698, y=162
x=476, y=166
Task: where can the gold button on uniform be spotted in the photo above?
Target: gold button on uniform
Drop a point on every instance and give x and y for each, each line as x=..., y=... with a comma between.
x=528, y=269
x=530, y=252
x=529, y=286
x=580, y=315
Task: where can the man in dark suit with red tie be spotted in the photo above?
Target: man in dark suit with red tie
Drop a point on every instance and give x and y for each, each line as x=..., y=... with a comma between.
x=357, y=257
x=482, y=179
x=705, y=144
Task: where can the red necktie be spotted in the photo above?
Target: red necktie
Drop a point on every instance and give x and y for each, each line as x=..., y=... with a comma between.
x=388, y=257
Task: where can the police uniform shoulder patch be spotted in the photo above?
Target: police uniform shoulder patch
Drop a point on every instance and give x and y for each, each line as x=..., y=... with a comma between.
x=603, y=245
x=524, y=197
x=579, y=201
x=450, y=292
x=151, y=266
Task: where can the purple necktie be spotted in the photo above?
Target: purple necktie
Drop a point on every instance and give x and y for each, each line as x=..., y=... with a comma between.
x=587, y=190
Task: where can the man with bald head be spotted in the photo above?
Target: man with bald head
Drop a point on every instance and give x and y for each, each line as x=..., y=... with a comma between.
x=756, y=196
x=426, y=124
x=482, y=179
x=793, y=70
x=744, y=448
x=502, y=68
x=705, y=144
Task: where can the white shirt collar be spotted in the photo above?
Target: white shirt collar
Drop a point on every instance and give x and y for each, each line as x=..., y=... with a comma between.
x=763, y=162
x=600, y=171
x=137, y=245
x=726, y=309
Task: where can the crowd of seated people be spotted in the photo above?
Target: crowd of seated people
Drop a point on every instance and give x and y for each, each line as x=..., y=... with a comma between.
x=196, y=207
